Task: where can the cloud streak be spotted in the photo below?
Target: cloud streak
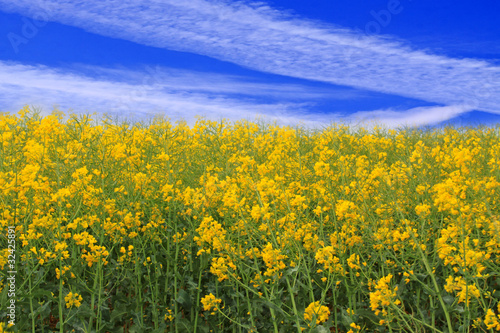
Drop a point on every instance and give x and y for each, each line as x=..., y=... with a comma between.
x=182, y=95
x=139, y=95
x=179, y=80
x=260, y=38
x=421, y=116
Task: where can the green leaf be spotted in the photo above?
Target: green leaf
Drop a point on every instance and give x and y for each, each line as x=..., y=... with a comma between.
x=320, y=329
x=42, y=292
x=345, y=318
x=42, y=309
x=448, y=299
x=134, y=329
x=117, y=315
x=184, y=299
x=363, y=313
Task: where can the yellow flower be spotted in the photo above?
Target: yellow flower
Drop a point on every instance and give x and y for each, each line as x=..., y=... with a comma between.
x=168, y=316
x=3, y=327
x=331, y=263
x=353, y=261
x=60, y=246
x=210, y=302
x=64, y=270
x=273, y=260
x=354, y=326
x=73, y=299
x=464, y=291
x=315, y=310
x=423, y=210
x=97, y=253
x=4, y=254
x=220, y=267
x=491, y=320
x=383, y=296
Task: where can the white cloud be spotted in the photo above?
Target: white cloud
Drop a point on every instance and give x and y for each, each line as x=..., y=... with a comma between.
x=45, y=87
x=264, y=39
x=428, y=115
x=184, y=95
x=181, y=80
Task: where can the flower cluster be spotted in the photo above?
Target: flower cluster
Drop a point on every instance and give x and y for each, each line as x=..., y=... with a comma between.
x=73, y=299
x=383, y=296
x=210, y=302
x=316, y=311
x=463, y=290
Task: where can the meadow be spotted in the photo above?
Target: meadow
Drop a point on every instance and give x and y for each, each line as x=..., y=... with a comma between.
x=247, y=227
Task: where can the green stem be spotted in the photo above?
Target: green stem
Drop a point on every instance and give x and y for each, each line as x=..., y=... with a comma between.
x=92, y=301
x=431, y=274
x=294, y=307
x=198, y=294
x=99, y=313
x=175, y=282
x=31, y=307
x=61, y=300
x=250, y=311
x=438, y=291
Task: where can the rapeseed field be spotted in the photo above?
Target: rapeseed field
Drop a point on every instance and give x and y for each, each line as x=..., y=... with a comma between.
x=246, y=227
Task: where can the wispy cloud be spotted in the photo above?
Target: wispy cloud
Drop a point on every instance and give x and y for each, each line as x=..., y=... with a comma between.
x=258, y=37
x=137, y=95
x=180, y=80
x=182, y=95
x=428, y=115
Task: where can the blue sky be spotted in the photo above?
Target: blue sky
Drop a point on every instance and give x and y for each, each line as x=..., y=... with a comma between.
x=392, y=62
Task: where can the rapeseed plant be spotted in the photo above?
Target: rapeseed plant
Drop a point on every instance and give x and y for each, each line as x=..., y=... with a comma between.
x=127, y=226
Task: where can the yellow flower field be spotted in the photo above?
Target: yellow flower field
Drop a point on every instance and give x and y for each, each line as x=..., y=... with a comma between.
x=246, y=227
